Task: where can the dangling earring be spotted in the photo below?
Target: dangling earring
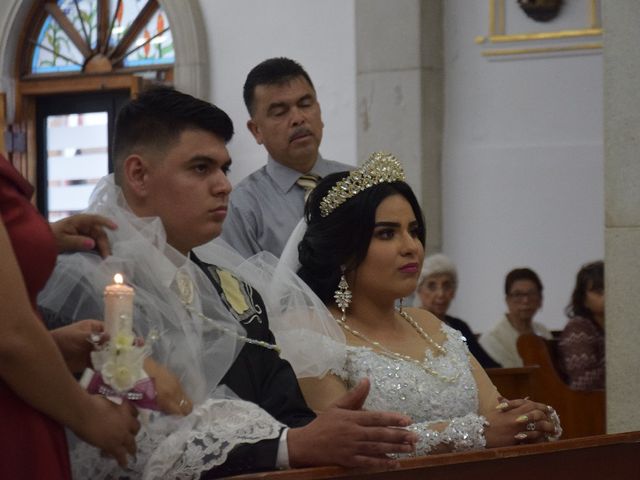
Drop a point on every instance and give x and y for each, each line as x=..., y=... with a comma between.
x=343, y=295
x=400, y=306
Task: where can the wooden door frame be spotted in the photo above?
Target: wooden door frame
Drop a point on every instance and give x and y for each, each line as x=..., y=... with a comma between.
x=27, y=91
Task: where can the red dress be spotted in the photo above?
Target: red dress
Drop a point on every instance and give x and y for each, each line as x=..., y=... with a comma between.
x=32, y=446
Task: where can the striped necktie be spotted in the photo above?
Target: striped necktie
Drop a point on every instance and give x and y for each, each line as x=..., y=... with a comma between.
x=308, y=182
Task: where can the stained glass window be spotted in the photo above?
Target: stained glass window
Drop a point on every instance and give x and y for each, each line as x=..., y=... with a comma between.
x=101, y=36
x=54, y=51
x=84, y=16
x=154, y=44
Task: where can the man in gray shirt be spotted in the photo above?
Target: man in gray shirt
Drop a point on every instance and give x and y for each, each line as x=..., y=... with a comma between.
x=265, y=207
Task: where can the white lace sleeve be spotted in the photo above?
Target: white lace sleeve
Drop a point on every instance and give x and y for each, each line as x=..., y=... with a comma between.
x=182, y=447
x=461, y=434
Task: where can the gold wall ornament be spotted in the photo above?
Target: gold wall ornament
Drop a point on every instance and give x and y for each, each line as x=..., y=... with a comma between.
x=381, y=167
x=541, y=10
x=579, y=39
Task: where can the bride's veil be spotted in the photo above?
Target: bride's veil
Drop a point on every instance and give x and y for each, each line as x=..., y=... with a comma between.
x=310, y=338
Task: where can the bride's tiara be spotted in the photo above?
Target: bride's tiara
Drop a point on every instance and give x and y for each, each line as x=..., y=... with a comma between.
x=381, y=167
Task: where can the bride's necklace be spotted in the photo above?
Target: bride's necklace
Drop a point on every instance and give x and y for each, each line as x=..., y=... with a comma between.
x=400, y=356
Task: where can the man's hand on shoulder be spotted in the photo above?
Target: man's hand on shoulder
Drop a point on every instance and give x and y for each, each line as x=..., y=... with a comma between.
x=348, y=436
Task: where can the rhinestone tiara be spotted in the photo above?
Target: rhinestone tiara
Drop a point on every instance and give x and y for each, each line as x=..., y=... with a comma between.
x=381, y=167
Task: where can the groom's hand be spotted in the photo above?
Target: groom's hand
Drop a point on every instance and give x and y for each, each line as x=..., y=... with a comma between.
x=348, y=436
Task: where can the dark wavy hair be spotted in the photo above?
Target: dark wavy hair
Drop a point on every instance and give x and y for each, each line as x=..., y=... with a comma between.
x=343, y=237
x=589, y=277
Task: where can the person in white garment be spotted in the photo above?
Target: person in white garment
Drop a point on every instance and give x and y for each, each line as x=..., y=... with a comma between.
x=523, y=294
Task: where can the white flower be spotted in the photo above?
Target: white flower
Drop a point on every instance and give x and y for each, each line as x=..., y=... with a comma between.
x=121, y=362
x=121, y=369
x=118, y=376
x=123, y=342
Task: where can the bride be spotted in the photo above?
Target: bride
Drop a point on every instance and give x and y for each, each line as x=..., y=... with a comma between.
x=362, y=251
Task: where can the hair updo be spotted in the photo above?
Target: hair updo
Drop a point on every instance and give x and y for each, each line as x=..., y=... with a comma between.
x=342, y=238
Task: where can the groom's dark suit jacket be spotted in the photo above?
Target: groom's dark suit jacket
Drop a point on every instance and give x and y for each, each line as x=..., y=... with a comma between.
x=260, y=376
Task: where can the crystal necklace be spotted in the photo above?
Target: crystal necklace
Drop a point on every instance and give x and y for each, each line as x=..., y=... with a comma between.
x=400, y=356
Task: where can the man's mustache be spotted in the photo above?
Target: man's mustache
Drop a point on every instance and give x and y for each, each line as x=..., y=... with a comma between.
x=299, y=132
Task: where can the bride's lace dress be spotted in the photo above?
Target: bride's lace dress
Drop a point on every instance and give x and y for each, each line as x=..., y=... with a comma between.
x=448, y=399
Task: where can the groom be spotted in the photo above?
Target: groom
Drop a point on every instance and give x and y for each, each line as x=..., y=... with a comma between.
x=171, y=162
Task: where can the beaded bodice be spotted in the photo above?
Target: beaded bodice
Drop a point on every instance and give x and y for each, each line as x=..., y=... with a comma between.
x=402, y=386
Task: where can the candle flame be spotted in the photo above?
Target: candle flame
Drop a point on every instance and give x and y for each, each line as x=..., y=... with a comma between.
x=117, y=278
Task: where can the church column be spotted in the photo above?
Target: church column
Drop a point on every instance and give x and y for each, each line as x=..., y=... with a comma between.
x=622, y=211
x=401, y=95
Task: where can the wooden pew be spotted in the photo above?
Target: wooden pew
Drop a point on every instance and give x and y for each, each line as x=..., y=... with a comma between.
x=582, y=413
x=591, y=458
x=513, y=382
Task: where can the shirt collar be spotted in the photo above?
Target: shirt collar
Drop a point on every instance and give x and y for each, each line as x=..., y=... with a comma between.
x=286, y=177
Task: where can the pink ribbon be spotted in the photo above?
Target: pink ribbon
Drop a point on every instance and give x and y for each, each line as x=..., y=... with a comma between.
x=143, y=393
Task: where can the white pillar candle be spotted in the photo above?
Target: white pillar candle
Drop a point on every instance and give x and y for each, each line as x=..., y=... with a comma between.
x=118, y=308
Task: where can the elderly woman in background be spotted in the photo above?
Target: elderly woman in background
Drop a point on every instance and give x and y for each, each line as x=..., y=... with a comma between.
x=436, y=289
x=581, y=345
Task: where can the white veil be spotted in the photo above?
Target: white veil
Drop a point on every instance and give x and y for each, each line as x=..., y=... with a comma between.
x=198, y=349
x=308, y=335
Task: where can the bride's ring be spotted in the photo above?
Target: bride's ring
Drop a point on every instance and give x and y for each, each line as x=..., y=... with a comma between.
x=531, y=426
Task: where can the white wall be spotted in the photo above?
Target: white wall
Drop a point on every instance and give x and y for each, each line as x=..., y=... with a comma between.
x=319, y=35
x=522, y=166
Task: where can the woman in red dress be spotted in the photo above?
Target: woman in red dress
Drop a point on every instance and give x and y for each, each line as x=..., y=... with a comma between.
x=38, y=394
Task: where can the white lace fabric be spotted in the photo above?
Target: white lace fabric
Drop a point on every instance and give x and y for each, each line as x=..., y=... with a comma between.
x=404, y=387
x=200, y=442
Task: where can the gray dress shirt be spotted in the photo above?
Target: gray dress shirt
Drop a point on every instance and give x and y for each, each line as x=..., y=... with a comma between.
x=265, y=207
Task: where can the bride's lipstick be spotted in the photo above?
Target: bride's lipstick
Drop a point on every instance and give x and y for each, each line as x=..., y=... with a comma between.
x=409, y=268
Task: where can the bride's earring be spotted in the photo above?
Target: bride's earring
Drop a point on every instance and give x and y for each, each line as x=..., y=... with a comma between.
x=343, y=295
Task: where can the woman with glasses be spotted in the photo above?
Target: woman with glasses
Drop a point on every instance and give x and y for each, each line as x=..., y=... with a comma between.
x=581, y=345
x=523, y=290
x=436, y=289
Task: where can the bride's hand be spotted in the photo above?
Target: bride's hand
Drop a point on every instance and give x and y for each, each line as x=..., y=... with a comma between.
x=170, y=396
x=519, y=421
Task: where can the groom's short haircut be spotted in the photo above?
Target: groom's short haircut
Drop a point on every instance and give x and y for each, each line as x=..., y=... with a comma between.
x=156, y=119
